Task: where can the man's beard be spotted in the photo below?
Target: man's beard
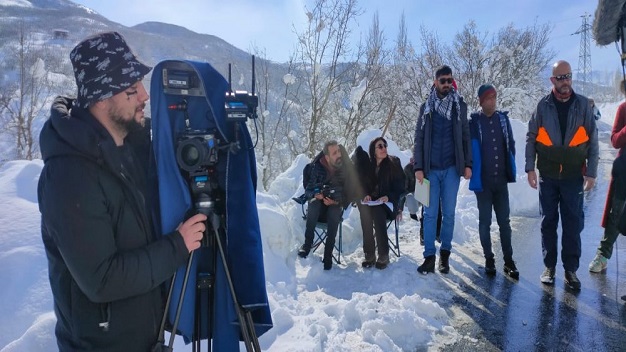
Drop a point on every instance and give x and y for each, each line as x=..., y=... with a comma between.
x=122, y=124
x=442, y=92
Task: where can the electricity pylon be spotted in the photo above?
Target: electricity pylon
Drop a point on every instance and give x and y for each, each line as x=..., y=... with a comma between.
x=584, y=56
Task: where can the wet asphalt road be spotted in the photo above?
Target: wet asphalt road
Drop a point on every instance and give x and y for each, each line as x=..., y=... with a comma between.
x=501, y=314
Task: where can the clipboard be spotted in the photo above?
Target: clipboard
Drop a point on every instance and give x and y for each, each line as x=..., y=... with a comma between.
x=422, y=192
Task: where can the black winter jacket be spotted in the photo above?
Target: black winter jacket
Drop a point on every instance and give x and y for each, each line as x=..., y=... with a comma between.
x=105, y=264
x=423, y=143
x=319, y=178
x=390, y=182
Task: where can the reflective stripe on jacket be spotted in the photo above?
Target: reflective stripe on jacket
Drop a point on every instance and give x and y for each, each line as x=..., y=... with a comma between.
x=577, y=155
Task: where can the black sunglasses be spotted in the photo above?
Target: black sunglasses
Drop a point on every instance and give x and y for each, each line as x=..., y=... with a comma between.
x=563, y=77
x=446, y=80
x=381, y=146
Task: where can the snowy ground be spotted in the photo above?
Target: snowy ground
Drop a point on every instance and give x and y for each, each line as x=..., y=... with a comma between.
x=345, y=309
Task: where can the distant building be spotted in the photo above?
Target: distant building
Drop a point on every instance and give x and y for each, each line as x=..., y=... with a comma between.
x=60, y=34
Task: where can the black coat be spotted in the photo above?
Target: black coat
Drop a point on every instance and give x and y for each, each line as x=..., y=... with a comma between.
x=389, y=181
x=318, y=177
x=106, y=265
x=409, y=178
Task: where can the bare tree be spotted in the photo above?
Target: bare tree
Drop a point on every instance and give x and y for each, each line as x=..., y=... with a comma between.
x=25, y=100
x=512, y=61
x=367, y=97
x=273, y=152
x=469, y=58
x=322, y=48
x=404, y=87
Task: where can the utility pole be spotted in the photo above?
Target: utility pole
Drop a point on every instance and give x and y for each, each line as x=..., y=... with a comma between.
x=584, y=56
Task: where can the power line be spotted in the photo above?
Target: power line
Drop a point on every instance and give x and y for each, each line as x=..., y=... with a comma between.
x=584, y=56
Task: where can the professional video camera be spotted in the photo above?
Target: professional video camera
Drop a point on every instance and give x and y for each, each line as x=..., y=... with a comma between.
x=333, y=192
x=205, y=143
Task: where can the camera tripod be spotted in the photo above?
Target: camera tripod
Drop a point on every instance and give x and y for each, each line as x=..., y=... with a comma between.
x=205, y=286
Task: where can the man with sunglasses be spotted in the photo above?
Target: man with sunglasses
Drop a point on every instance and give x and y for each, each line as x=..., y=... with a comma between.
x=106, y=264
x=442, y=154
x=563, y=140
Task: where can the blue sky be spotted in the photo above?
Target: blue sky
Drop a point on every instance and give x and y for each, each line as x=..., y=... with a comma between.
x=270, y=24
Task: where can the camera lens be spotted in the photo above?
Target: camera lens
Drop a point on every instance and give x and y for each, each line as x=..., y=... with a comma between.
x=190, y=154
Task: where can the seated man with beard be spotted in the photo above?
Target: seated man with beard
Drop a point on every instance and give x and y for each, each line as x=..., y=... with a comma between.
x=325, y=191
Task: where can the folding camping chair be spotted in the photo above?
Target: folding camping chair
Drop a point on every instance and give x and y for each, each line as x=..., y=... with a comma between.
x=321, y=230
x=394, y=246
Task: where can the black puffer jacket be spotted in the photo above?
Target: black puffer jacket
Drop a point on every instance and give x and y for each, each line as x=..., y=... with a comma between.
x=106, y=266
x=390, y=182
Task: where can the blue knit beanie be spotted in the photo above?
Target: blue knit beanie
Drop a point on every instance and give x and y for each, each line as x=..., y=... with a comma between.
x=484, y=91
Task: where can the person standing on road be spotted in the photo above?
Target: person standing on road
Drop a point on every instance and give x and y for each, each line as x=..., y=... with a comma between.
x=442, y=154
x=616, y=194
x=493, y=153
x=562, y=138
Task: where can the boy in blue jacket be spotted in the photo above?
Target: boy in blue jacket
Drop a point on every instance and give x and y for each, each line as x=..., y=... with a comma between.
x=493, y=152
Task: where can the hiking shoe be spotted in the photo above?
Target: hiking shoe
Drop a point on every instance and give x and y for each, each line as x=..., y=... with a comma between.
x=428, y=266
x=444, y=262
x=381, y=265
x=414, y=217
x=598, y=264
x=572, y=280
x=547, y=277
x=510, y=269
x=304, y=250
x=368, y=263
x=490, y=266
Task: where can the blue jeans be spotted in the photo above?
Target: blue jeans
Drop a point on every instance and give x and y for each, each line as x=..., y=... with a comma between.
x=495, y=195
x=444, y=186
x=566, y=196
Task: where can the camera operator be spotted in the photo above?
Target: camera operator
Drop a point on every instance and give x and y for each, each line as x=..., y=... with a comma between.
x=325, y=189
x=106, y=265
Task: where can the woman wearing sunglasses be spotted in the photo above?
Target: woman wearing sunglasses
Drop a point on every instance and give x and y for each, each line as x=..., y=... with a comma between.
x=386, y=187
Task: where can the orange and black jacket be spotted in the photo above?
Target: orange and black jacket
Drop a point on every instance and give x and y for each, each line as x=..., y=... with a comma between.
x=557, y=157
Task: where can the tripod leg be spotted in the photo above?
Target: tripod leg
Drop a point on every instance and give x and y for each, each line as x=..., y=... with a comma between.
x=252, y=332
x=180, y=300
x=215, y=221
x=161, y=338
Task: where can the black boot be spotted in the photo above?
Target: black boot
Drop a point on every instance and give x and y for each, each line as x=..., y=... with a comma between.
x=428, y=266
x=510, y=269
x=490, y=266
x=444, y=264
x=328, y=263
x=304, y=250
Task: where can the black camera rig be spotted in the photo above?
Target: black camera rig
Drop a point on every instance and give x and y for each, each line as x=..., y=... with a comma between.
x=197, y=156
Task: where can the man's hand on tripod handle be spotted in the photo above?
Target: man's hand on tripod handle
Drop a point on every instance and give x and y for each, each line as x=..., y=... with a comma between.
x=192, y=231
